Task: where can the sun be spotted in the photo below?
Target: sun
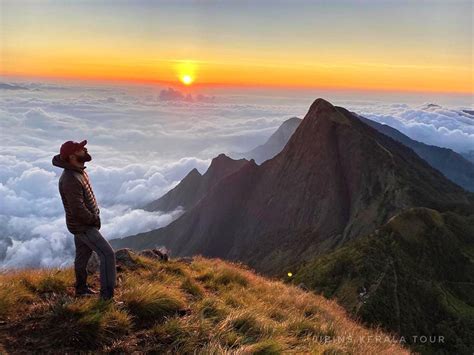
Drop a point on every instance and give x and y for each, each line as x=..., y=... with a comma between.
x=186, y=71
x=187, y=79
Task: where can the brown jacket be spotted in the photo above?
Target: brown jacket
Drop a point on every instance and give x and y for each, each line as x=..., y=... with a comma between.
x=80, y=205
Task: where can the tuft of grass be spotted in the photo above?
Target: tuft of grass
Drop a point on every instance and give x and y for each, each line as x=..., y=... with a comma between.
x=172, y=332
x=116, y=322
x=247, y=325
x=11, y=296
x=51, y=284
x=230, y=276
x=266, y=347
x=141, y=262
x=180, y=335
x=148, y=301
x=310, y=310
x=48, y=281
x=277, y=315
x=191, y=287
x=224, y=276
x=172, y=267
x=213, y=310
x=304, y=327
x=230, y=339
x=89, y=322
x=232, y=301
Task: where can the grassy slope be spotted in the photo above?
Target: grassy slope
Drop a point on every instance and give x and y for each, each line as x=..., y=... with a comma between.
x=230, y=310
x=418, y=271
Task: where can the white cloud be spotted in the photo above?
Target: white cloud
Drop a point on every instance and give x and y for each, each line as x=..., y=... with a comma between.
x=39, y=241
x=123, y=221
x=428, y=123
x=29, y=181
x=171, y=94
x=141, y=147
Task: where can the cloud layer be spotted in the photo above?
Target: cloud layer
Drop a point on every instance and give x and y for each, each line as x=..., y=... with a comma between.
x=427, y=123
x=142, y=145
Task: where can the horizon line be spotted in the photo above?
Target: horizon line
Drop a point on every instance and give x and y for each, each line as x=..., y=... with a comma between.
x=177, y=84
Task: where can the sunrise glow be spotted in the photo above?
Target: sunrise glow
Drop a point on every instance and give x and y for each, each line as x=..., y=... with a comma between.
x=401, y=53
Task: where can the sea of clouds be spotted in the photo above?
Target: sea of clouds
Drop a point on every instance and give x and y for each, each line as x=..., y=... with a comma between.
x=144, y=140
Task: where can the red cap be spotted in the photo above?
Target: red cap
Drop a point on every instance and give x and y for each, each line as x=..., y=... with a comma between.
x=70, y=147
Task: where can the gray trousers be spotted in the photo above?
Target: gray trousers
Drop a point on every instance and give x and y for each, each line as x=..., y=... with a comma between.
x=86, y=242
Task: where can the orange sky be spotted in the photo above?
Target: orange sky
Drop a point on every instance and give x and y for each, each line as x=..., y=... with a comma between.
x=407, y=53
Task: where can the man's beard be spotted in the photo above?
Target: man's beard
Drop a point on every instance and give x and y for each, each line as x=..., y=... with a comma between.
x=84, y=158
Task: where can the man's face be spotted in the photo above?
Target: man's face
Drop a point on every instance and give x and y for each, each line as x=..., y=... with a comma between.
x=82, y=155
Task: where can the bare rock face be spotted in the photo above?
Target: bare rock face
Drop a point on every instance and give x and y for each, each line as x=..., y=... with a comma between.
x=124, y=258
x=157, y=254
x=185, y=259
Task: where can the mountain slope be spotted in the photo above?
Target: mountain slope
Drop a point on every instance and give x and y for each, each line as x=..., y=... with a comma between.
x=459, y=168
x=275, y=143
x=335, y=182
x=336, y=179
x=469, y=156
x=200, y=306
x=453, y=165
x=195, y=186
x=414, y=275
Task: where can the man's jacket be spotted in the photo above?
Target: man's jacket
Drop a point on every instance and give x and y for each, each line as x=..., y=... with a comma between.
x=80, y=205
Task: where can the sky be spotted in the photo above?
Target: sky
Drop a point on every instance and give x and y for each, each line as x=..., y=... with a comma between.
x=407, y=46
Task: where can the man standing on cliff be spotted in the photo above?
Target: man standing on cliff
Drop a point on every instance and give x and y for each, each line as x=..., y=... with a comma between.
x=83, y=219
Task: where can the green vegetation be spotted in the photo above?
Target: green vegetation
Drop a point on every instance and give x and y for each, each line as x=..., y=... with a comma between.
x=207, y=306
x=414, y=276
x=87, y=323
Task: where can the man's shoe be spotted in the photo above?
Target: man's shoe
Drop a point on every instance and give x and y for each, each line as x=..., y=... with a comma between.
x=87, y=292
x=112, y=300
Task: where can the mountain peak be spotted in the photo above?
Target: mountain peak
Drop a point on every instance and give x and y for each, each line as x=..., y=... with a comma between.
x=291, y=121
x=192, y=177
x=221, y=157
x=194, y=172
x=321, y=109
x=221, y=162
x=276, y=142
x=320, y=104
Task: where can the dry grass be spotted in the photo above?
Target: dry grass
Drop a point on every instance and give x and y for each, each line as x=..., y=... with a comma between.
x=88, y=322
x=232, y=310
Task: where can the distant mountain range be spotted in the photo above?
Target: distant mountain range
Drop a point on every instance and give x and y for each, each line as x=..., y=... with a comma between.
x=195, y=186
x=459, y=168
x=469, y=155
x=336, y=176
x=453, y=165
x=336, y=181
x=274, y=144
